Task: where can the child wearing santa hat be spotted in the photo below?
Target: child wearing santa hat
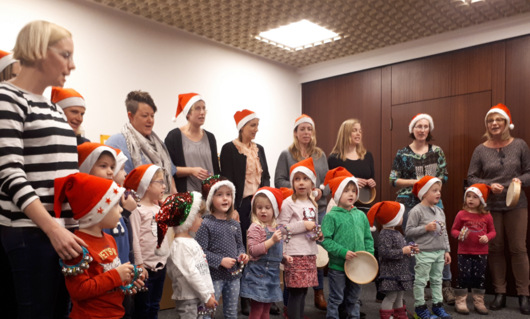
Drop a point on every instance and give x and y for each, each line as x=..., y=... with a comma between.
x=346, y=230
x=92, y=279
x=426, y=226
x=220, y=238
x=186, y=266
x=393, y=258
x=473, y=227
x=148, y=182
x=299, y=215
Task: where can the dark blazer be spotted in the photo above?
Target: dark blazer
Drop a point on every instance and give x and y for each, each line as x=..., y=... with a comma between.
x=173, y=143
x=234, y=167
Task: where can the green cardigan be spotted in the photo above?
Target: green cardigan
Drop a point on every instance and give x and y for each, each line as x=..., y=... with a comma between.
x=343, y=231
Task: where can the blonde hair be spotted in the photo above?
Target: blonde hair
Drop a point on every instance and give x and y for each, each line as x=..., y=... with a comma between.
x=254, y=218
x=313, y=149
x=344, y=140
x=34, y=40
x=505, y=135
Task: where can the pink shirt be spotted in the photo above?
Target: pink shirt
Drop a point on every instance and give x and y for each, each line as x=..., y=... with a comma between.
x=145, y=238
x=293, y=214
x=256, y=237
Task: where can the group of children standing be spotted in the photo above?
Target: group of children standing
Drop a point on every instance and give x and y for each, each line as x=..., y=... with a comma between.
x=206, y=259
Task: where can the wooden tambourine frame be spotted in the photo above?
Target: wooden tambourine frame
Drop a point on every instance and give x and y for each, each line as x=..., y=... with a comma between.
x=361, y=269
x=512, y=196
x=322, y=257
x=366, y=195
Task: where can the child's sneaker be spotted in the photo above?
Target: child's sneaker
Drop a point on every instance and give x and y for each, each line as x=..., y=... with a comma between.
x=438, y=309
x=422, y=312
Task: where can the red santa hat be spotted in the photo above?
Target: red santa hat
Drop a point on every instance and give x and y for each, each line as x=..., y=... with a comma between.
x=186, y=101
x=503, y=111
x=243, y=117
x=337, y=179
x=422, y=186
x=139, y=178
x=6, y=59
x=90, y=197
x=89, y=153
x=178, y=210
x=274, y=195
x=303, y=119
x=121, y=159
x=212, y=184
x=481, y=190
x=421, y=116
x=387, y=213
x=304, y=166
x=67, y=97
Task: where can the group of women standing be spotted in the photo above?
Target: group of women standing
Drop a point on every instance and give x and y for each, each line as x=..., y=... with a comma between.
x=37, y=145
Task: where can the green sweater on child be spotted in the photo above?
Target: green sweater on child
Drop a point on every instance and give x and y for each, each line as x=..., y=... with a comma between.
x=345, y=230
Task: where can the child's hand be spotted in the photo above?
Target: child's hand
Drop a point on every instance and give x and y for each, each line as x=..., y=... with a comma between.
x=212, y=303
x=288, y=259
x=483, y=239
x=277, y=236
x=350, y=255
x=126, y=272
x=309, y=225
x=447, y=258
x=244, y=258
x=407, y=250
x=431, y=226
x=128, y=203
x=144, y=274
x=228, y=262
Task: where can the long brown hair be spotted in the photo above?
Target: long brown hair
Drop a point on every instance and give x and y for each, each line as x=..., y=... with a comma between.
x=344, y=140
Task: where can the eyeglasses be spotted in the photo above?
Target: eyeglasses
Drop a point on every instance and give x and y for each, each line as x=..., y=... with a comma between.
x=501, y=156
x=68, y=56
x=496, y=120
x=160, y=182
x=421, y=128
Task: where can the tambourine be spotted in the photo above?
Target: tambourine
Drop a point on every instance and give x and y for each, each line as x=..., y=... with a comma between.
x=366, y=195
x=361, y=269
x=512, y=196
x=322, y=257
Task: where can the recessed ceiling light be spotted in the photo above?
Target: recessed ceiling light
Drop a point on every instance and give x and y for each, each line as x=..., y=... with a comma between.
x=470, y=1
x=298, y=35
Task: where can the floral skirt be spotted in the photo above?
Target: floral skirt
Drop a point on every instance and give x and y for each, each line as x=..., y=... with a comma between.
x=302, y=272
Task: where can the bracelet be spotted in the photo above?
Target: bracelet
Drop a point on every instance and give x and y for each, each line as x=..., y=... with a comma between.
x=131, y=289
x=74, y=270
x=205, y=311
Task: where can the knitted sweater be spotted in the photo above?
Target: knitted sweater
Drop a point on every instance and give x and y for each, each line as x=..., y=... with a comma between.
x=419, y=217
x=478, y=225
x=345, y=230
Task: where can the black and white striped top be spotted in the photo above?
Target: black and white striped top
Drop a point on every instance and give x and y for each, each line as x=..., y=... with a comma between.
x=37, y=145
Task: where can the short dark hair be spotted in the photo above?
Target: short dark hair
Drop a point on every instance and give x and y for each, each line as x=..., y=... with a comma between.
x=135, y=97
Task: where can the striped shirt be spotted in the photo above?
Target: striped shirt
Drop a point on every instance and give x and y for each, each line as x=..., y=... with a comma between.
x=37, y=145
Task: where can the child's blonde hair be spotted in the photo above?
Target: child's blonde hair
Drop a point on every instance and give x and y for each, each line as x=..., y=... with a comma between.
x=254, y=218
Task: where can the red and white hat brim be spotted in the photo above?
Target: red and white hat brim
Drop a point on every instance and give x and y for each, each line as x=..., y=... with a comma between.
x=302, y=169
x=271, y=198
x=194, y=211
x=93, y=157
x=121, y=159
x=477, y=192
x=422, y=116
x=395, y=221
x=305, y=119
x=6, y=61
x=72, y=101
x=214, y=189
x=426, y=187
x=194, y=99
x=245, y=120
x=502, y=113
x=98, y=212
x=342, y=185
x=147, y=177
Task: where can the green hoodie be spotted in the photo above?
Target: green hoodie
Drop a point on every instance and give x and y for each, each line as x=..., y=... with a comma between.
x=345, y=230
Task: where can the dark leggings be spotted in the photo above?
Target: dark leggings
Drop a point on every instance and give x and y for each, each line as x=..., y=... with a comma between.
x=295, y=307
x=472, y=271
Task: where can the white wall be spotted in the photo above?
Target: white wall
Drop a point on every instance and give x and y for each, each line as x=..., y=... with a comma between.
x=116, y=53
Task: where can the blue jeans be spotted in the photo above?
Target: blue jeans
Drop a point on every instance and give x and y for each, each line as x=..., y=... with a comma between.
x=35, y=274
x=147, y=304
x=229, y=289
x=341, y=288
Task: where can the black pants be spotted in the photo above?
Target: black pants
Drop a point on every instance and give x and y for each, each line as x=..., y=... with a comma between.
x=472, y=271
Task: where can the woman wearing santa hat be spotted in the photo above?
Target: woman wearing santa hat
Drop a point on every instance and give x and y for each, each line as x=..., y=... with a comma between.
x=304, y=146
x=192, y=149
x=497, y=162
x=9, y=67
x=74, y=107
x=36, y=146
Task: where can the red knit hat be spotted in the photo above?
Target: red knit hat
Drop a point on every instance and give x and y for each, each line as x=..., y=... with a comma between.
x=421, y=116
x=212, y=184
x=89, y=153
x=337, y=179
x=121, y=159
x=422, y=186
x=274, y=195
x=502, y=110
x=243, y=117
x=481, y=190
x=6, y=58
x=304, y=166
x=387, y=213
x=186, y=101
x=303, y=119
x=90, y=197
x=179, y=210
x=67, y=97
x=139, y=178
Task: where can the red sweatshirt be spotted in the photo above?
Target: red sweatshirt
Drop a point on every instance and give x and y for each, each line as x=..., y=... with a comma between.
x=478, y=225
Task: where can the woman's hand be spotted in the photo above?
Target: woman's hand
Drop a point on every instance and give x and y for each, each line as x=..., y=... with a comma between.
x=199, y=172
x=361, y=182
x=66, y=244
x=496, y=188
x=228, y=262
x=371, y=183
x=516, y=180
